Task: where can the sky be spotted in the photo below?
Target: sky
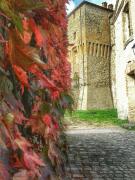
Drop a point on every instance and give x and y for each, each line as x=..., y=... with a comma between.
x=73, y=3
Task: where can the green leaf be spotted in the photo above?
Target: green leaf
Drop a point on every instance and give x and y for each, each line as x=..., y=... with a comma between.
x=6, y=86
x=24, y=5
x=18, y=23
x=44, y=108
x=7, y=9
x=11, y=9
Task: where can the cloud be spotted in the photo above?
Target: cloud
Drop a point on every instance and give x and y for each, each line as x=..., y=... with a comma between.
x=70, y=6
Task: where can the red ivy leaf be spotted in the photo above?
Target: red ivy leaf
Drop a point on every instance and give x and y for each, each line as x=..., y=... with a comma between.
x=55, y=95
x=47, y=119
x=46, y=83
x=56, y=126
x=21, y=75
x=32, y=162
x=37, y=31
x=21, y=175
x=4, y=175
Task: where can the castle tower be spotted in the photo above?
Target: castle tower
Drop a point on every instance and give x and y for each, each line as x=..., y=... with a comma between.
x=89, y=54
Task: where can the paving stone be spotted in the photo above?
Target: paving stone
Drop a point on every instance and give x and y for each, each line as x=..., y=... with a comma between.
x=78, y=176
x=101, y=155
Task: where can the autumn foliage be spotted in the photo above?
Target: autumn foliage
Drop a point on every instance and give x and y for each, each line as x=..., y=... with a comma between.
x=34, y=87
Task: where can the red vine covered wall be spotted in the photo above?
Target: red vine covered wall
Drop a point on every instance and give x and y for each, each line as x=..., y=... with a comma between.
x=34, y=86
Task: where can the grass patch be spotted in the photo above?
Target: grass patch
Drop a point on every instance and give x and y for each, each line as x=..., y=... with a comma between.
x=98, y=117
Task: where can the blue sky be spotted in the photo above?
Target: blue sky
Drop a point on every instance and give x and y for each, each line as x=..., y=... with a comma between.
x=73, y=3
x=93, y=1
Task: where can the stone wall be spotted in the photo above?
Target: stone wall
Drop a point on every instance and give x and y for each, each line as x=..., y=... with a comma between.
x=98, y=52
x=113, y=64
x=89, y=32
x=125, y=82
x=76, y=37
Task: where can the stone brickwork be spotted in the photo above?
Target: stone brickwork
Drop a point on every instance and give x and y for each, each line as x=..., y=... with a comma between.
x=101, y=154
x=98, y=62
x=76, y=36
x=89, y=32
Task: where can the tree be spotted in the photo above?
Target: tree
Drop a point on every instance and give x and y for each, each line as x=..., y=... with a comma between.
x=34, y=86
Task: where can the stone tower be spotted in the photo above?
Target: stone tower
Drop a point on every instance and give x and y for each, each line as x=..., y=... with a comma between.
x=89, y=53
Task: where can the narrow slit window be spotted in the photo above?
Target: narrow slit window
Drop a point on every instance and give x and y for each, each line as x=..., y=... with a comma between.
x=126, y=23
x=74, y=35
x=74, y=15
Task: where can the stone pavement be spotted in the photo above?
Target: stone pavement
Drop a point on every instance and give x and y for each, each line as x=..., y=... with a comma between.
x=101, y=154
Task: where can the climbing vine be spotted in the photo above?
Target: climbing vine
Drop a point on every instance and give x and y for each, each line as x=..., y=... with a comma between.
x=34, y=87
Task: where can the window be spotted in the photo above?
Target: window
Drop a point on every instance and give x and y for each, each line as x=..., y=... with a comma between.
x=76, y=80
x=74, y=35
x=126, y=23
x=73, y=14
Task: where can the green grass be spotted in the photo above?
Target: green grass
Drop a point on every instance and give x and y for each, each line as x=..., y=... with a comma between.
x=98, y=117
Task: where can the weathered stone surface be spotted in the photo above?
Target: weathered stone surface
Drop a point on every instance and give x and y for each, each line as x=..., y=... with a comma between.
x=89, y=32
x=123, y=32
x=101, y=154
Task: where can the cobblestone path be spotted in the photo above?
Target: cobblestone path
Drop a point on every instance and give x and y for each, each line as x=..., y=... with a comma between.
x=101, y=154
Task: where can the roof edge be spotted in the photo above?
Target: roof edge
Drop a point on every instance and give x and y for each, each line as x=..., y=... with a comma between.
x=90, y=3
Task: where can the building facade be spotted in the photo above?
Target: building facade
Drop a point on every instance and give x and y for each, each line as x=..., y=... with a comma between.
x=90, y=54
x=124, y=39
x=102, y=54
